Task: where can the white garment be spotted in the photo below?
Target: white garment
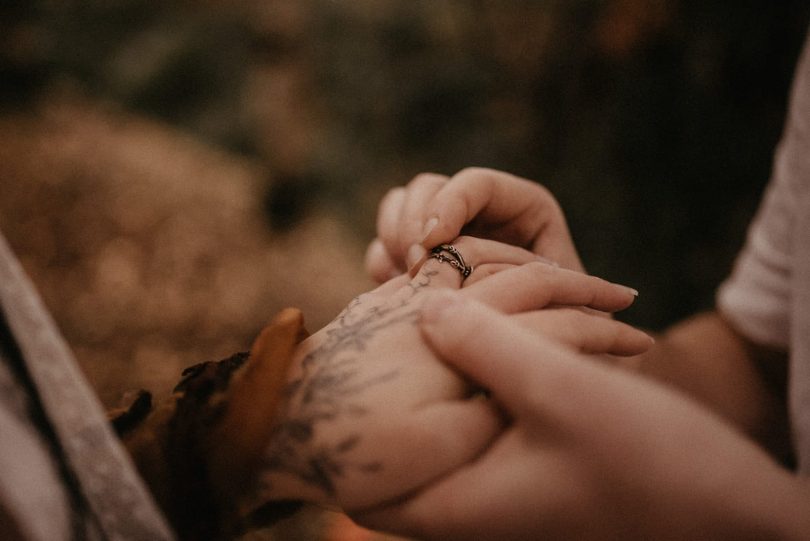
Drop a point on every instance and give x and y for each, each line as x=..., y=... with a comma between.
x=36, y=514
x=767, y=297
x=110, y=501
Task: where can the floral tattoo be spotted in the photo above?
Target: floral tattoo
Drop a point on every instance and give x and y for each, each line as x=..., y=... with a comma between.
x=329, y=388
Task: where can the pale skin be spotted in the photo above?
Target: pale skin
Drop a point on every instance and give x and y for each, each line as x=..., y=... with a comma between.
x=591, y=452
x=371, y=414
x=703, y=358
x=433, y=209
x=703, y=355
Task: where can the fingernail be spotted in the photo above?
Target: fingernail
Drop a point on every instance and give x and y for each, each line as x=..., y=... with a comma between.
x=439, y=305
x=415, y=253
x=430, y=225
x=632, y=291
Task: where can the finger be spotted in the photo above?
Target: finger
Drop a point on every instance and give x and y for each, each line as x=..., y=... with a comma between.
x=391, y=286
x=471, y=338
x=485, y=270
x=524, y=370
x=450, y=433
x=475, y=252
x=419, y=193
x=585, y=332
x=536, y=285
x=509, y=209
x=388, y=215
x=477, y=501
x=378, y=262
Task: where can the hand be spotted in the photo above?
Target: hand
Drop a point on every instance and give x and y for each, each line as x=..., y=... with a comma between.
x=590, y=452
x=433, y=209
x=371, y=414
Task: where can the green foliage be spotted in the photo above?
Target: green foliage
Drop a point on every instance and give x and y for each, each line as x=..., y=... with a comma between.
x=654, y=122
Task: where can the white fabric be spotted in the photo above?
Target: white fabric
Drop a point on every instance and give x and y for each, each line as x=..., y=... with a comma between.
x=115, y=501
x=767, y=297
x=25, y=467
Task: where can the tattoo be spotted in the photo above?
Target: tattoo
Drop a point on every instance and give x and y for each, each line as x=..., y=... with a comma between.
x=331, y=383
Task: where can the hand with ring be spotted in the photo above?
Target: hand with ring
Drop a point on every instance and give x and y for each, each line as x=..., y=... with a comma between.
x=370, y=412
x=434, y=209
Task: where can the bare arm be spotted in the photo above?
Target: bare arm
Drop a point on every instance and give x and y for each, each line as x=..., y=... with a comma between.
x=744, y=382
x=589, y=451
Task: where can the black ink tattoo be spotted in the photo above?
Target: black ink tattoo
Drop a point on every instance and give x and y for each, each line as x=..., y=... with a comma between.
x=331, y=382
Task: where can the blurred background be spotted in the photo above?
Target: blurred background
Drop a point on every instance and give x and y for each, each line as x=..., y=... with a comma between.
x=173, y=173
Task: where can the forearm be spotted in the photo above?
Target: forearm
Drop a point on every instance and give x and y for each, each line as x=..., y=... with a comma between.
x=772, y=504
x=747, y=497
x=704, y=357
x=744, y=496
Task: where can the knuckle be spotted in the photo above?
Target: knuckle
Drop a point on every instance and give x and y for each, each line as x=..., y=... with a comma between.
x=481, y=175
x=548, y=202
x=472, y=172
x=427, y=178
x=546, y=194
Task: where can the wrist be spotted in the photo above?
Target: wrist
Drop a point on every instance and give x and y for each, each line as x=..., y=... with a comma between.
x=199, y=450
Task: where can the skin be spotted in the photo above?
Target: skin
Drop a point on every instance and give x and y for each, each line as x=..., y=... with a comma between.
x=744, y=382
x=484, y=203
x=590, y=451
x=703, y=355
x=707, y=382
x=368, y=400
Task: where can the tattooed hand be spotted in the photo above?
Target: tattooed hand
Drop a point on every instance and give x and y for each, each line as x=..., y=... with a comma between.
x=371, y=414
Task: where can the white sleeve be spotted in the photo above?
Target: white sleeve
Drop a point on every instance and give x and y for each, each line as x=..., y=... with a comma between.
x=756, y=297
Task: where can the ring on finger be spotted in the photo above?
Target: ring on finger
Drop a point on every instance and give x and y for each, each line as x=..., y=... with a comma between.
x=455, y=259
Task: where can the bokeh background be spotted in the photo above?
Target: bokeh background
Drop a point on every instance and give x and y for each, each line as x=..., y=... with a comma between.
x=173, y=173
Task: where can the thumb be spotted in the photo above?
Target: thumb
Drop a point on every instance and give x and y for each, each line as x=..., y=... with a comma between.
x=508, y=208
x=378, y=262
x=496, y=353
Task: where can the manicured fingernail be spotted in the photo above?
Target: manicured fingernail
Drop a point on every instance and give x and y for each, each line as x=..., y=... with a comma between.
x=632, y=291
x=415, y=254
x=439, y=305
x=430, y=225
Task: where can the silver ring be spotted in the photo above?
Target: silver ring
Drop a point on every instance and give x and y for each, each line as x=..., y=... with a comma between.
x=455, y=259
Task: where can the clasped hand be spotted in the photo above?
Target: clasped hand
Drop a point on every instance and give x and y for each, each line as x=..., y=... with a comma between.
x=372, y=413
